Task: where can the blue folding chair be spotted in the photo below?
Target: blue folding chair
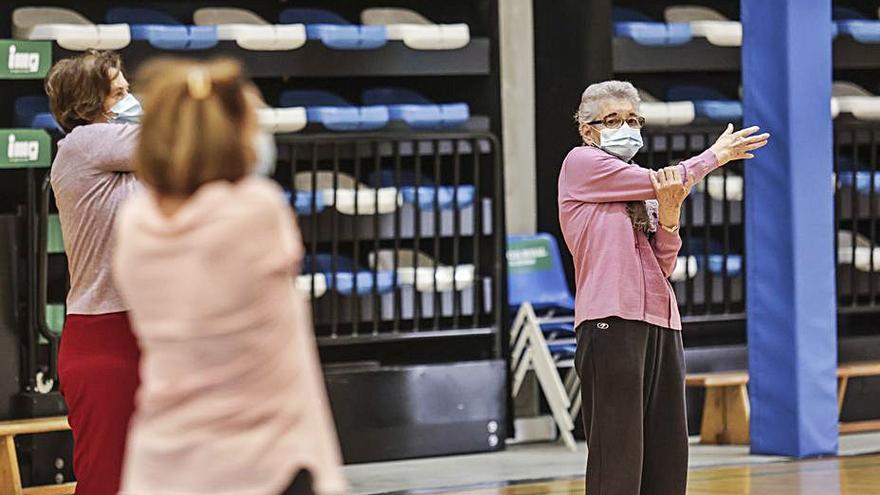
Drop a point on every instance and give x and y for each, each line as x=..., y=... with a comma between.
x=347, y=278
x=537, y=285
x=708, y=103
x=535, y=274
x=412, y=108
x=33, y=112
x=426, y=194
x=851, y=22
x=333, y=30
x=162, y=30
x=334, y=112
x=632, y=24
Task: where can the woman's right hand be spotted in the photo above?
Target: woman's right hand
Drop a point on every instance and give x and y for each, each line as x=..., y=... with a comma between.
x=670, y=194
x=738, y=145
x=668, y=186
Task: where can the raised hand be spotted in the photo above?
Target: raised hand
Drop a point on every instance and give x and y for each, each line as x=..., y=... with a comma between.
x=738, y=145
x=669, y=187
x=670, y=194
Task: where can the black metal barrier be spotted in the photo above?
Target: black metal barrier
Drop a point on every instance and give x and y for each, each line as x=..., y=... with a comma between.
x=856, y=214
x=709, y=279
x=403, y=233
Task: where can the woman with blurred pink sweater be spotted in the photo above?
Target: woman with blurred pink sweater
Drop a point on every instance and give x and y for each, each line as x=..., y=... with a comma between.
x=232, y=400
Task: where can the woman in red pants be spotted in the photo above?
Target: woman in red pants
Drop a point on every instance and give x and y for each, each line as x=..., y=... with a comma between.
x=91, y=175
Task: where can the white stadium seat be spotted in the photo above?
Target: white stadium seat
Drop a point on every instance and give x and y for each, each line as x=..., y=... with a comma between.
x=853, y=99
x=249, y=30
x=68, y=28
x=304, y=284
x=281, y=120
x=715, y=184
x=663, y=114
x=707, y=23
x=864, y=251
x=415, y=30
x=348, y=192
x=685, y=268
x=418, y=269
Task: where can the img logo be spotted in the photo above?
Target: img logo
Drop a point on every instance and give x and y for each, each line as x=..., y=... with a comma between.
x=22, y=151
x=23, y=62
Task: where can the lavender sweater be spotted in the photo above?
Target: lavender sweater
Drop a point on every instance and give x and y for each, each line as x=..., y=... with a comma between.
x=91, y=176
x=618, y=271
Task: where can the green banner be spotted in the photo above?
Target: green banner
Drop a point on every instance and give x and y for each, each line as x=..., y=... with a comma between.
x=54, y=241
x=528, y=256
x=25, y=148
x=25, y=59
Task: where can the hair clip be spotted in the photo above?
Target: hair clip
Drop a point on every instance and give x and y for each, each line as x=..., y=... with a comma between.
x=198, y=84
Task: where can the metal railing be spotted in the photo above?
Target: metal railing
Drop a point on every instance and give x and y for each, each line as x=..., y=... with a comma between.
x=856, y=215
x=709, y=280
x=403, y=232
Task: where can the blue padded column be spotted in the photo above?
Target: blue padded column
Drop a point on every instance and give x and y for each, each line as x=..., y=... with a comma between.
x=792, y=336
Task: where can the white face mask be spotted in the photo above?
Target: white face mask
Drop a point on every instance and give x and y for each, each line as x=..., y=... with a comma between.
x=266, y=154
x=623, y=142
x=127, y=110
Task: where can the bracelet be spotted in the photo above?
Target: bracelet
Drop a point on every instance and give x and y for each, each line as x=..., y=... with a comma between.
x=671, y=230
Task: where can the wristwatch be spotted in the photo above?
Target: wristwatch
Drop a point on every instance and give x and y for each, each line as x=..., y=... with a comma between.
x=671, y=230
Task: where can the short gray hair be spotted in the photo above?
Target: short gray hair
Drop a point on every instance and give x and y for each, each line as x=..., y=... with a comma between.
x=595, y=93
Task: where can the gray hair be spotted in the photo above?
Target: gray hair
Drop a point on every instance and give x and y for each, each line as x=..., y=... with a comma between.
x=595, y=93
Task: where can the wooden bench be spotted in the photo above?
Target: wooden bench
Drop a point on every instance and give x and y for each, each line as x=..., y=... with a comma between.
x=10, y=478
x=726, y=407
x=844, y=373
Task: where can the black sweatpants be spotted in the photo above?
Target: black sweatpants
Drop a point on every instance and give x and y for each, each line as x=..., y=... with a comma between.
x=632, y=375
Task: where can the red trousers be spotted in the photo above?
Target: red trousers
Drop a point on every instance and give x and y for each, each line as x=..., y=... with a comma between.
x=98, y=369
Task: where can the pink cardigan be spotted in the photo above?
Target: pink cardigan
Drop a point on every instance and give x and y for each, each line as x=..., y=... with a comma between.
x=232, y=400
x=618, y=271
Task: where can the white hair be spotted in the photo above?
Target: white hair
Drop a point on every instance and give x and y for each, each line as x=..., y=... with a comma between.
x=590, y=100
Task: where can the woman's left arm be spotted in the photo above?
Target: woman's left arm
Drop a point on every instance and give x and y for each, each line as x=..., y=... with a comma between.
x=670, y=196
x=115, y=152
x=666, y=246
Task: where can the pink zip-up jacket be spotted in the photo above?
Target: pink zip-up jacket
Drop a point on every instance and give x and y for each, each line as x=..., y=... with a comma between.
x=618, y=271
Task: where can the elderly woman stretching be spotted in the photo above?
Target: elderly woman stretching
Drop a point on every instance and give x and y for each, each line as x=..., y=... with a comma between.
x=629, y=350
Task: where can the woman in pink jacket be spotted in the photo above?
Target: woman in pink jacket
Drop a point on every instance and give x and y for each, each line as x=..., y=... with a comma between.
x=232, y=400
x=620, y=222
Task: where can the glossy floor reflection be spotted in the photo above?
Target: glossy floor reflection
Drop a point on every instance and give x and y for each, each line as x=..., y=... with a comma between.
x=840, y=476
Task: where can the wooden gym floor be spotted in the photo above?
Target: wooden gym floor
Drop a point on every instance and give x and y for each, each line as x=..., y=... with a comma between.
x=859, y=475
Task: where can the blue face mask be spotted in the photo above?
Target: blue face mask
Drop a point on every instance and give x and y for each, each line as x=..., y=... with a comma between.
x=623, y=142
x=266, y=151
x=127, y=111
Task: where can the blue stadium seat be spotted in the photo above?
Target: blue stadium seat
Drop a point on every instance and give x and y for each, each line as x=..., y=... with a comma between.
x=861, y=180
x=33, y=112
x=302, y=203
x=347, y=274
x=714, y=261
x=629, y=23
x=415, y=110
x=850, y=22
x=708, y=103
x=333, y=30
x=427, y=193
x=334, y=112
x=535, y=274
x=161, y=30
